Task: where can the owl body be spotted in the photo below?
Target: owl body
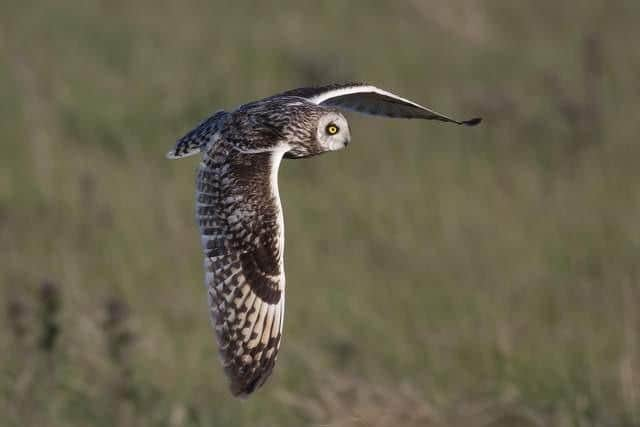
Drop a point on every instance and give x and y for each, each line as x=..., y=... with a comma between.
x=239, y=214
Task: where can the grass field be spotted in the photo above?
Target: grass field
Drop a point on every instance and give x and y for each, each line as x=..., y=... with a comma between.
x=437, y=275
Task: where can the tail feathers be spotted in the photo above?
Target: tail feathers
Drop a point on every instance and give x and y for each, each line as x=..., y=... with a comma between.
x=197, y=138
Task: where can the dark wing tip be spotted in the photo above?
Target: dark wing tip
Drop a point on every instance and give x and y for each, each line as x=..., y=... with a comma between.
x=243, y=387
x=472, y=122
x=239, y=391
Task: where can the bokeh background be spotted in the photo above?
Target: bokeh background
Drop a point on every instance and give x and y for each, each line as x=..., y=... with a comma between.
x=437, y=275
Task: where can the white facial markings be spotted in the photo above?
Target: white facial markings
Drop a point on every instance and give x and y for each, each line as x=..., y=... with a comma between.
x=337, y=140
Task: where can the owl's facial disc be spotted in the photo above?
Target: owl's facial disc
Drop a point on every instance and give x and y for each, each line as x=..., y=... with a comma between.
x=333, y=132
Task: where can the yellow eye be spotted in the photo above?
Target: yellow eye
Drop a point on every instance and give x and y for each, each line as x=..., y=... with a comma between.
x=332, y=129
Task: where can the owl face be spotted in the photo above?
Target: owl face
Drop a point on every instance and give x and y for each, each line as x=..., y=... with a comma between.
x=332, y=133
x=329, y=131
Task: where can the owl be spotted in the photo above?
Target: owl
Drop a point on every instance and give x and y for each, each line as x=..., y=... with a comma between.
x=239, y=213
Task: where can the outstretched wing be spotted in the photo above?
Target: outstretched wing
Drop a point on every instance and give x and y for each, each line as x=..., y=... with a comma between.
x=242, y=231
x=197, y=138
x=240, y=218
x=367, y=99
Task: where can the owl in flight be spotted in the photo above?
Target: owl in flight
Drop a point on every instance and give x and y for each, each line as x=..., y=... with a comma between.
x=239, y=213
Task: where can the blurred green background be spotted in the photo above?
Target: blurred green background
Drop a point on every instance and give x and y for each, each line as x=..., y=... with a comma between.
x=437, y=275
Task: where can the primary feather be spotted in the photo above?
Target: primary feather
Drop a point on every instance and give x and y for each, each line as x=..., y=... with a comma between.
x=368, y=99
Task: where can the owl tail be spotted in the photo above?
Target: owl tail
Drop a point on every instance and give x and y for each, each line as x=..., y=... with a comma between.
x=197, y=138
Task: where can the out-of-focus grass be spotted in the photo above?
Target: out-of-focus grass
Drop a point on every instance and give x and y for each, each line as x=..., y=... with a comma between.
x=445, y=276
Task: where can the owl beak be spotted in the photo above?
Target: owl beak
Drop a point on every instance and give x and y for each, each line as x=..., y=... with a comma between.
x=347, y=138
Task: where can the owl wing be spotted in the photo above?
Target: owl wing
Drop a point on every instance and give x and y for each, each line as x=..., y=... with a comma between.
x=367, y=99
x=241, y=225
x=198, y=137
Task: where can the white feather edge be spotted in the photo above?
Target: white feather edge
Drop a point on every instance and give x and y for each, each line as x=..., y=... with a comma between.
x=276, y=158
x=336, y=93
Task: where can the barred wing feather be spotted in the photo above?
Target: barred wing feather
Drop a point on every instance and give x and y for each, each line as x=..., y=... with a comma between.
x=240, y=218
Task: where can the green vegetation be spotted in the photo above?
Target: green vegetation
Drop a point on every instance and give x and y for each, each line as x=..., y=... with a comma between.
x=437, y=275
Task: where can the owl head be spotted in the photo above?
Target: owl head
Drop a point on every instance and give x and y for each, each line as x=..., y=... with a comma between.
x=322, y=130
x=302, y=128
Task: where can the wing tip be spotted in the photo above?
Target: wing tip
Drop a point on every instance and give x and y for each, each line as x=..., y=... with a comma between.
x=472, y=122
x=176, y=154
x=243, y=388
x=239, y=392
x=171, y=155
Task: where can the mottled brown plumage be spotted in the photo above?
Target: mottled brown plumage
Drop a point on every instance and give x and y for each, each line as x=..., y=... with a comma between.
x=239, y=214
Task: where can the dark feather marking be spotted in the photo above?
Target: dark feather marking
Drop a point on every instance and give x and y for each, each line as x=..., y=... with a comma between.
x=256, y=265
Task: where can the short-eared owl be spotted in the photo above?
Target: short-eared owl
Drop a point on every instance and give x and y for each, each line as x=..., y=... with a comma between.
x=239, y=213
